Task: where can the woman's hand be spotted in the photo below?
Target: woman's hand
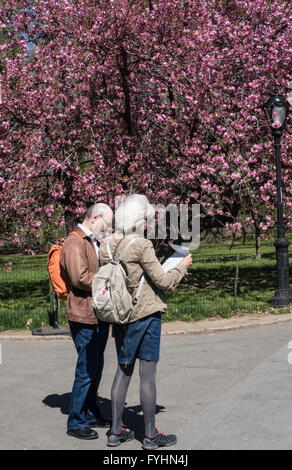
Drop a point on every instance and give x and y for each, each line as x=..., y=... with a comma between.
x=187, y=261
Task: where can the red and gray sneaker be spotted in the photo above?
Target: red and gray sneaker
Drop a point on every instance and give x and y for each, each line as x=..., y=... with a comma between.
x=158, y=440
x=115, y=440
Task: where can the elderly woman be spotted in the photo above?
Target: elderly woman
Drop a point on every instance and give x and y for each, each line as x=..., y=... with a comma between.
x=140, y=338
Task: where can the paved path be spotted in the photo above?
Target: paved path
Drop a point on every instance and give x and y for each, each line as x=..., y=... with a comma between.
x=224, y=390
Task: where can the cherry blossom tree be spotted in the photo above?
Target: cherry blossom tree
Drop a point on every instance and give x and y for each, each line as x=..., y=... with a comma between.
x=163, y=97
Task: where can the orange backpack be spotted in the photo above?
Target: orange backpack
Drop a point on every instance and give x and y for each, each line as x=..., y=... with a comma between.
x=57, y=282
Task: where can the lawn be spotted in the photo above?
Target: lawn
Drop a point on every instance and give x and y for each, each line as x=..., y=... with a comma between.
x=206, y=291
x=25, y=298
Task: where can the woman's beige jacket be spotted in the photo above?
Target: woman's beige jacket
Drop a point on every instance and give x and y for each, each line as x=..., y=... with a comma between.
x=140, y=258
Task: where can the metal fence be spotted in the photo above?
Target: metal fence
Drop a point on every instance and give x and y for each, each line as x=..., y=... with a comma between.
x=225, y=285
x=216, y=285
x=26, y=299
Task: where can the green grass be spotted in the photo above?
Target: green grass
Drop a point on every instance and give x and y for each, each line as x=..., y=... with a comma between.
x=206, y=291
x=208, y=288
x=25, y=299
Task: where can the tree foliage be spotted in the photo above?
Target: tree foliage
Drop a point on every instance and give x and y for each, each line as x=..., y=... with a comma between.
x=164, y=97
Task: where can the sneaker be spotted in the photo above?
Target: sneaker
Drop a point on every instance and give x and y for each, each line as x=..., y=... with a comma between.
x=159, y=440
x=115, y=440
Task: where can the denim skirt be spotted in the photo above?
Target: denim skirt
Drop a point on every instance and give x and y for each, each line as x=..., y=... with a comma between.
x=140, y=339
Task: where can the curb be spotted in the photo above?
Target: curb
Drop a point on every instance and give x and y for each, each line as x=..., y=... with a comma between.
x=32, y=338
x=164, y=333
x=226, y=328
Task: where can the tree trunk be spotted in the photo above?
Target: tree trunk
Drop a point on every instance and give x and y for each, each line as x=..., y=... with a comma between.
x=258, y=244
x=124, y=74
x=233, y=240
x=244, y=235
x=70, y=222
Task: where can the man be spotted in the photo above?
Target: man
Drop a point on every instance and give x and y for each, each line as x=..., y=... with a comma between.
x=79, y=260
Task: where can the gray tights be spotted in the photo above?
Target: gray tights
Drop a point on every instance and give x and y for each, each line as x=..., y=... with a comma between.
x=147, y=372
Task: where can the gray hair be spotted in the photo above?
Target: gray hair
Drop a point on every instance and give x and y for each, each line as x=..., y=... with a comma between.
x=100, y=209
x=132, y=212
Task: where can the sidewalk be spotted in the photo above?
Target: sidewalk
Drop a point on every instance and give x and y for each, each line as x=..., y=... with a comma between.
x=218, y=390
x=253, y=414
x=208, y=325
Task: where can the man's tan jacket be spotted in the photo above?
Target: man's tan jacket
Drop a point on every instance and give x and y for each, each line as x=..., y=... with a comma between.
x=140, y=258
x=78, y=265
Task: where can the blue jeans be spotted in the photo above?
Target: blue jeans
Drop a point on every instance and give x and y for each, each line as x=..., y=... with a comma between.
x=90, y=342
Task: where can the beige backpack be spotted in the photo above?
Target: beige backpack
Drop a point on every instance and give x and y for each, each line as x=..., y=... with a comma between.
x=111, y=299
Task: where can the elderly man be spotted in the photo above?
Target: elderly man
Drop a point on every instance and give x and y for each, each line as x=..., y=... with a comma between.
x=79, y=260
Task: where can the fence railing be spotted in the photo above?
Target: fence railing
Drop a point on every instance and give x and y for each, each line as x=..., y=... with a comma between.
x=223, y=285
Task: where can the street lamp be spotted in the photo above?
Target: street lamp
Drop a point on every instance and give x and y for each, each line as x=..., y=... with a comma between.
x=276, y=110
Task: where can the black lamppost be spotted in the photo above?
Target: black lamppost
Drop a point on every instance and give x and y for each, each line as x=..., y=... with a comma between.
x=276, y=110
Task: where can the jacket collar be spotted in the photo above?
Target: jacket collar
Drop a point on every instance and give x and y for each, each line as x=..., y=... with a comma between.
x=87, y=232
x=80, y=231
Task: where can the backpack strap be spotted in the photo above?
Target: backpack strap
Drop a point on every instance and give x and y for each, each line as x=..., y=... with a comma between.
x=135, y=300
x=126, y=248
x=107, y=240
x=138, y=291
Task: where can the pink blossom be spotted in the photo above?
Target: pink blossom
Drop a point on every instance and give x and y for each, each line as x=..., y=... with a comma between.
x=276, y=125
x=167, y=101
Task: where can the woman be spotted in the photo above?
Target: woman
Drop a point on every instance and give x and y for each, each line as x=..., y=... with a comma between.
x=140, y=338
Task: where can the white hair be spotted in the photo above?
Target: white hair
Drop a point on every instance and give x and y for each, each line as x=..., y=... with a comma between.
x=98, y=209
x=132, y=212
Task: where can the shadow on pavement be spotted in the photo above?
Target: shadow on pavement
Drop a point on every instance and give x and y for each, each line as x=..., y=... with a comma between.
x=132, y=416
x=58, y=401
